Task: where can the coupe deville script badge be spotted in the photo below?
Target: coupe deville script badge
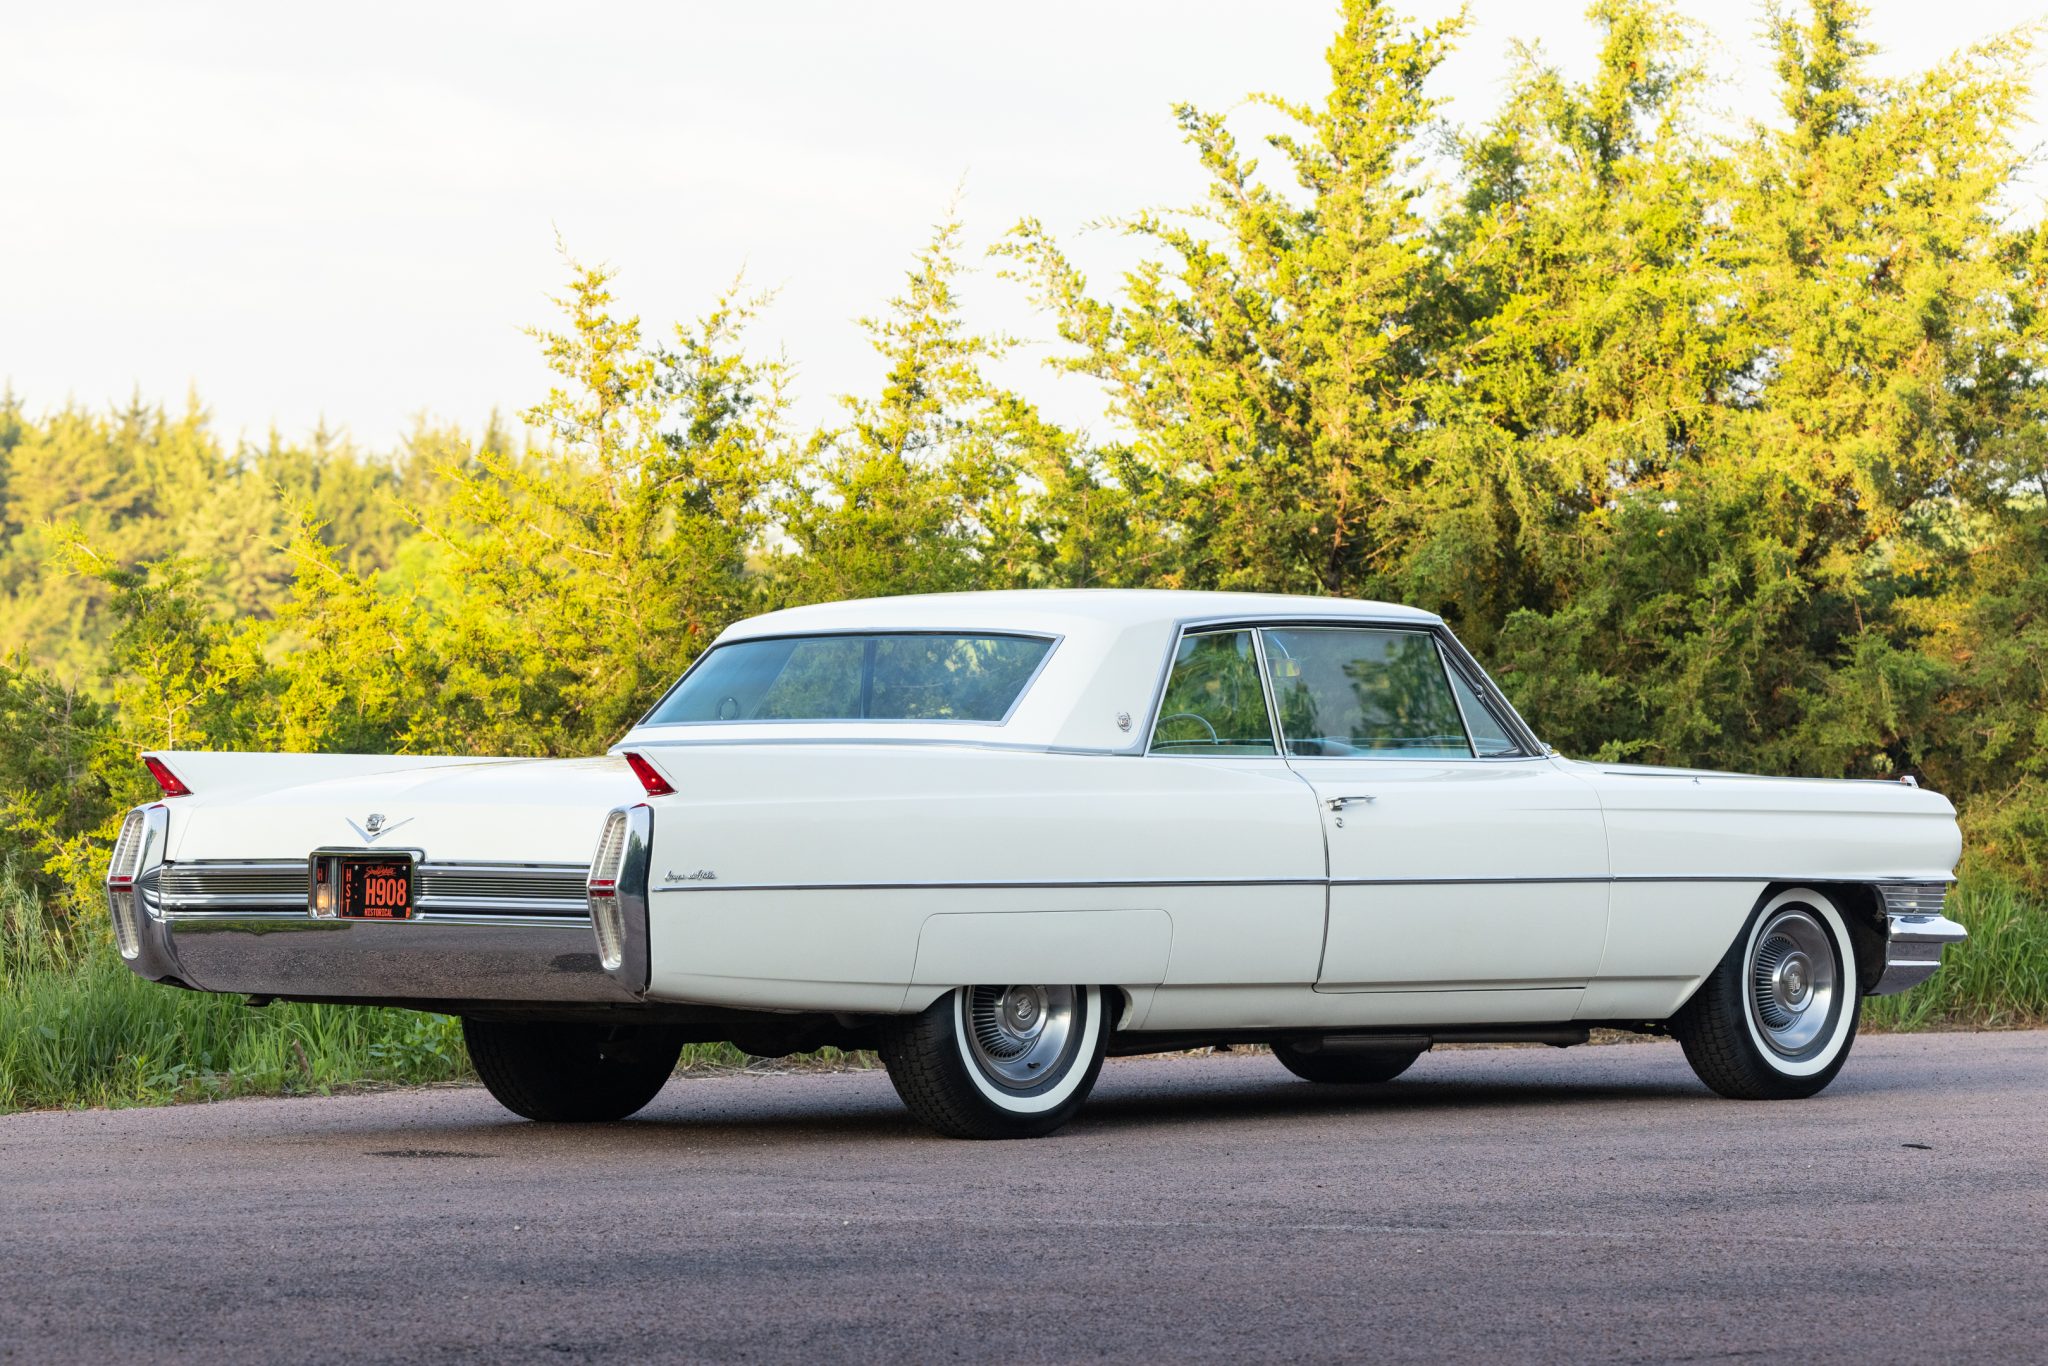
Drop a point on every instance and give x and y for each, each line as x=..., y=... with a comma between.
x=701, y=875
x=374, y=825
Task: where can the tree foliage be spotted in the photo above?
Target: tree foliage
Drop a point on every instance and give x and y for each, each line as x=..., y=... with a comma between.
x=1724, y=446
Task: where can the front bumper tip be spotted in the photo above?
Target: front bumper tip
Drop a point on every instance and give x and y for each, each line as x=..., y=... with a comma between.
x=1916, y=932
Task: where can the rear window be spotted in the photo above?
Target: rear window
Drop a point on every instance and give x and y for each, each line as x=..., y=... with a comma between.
x=914, y=676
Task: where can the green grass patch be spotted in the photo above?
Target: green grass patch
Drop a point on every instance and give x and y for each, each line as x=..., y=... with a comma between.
x=99, y=1035
x=1996, y=979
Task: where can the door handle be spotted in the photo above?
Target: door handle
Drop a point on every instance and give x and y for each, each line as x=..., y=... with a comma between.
x=1339, y=803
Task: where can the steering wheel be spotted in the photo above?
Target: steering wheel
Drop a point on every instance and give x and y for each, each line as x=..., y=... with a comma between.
x=1201, y=721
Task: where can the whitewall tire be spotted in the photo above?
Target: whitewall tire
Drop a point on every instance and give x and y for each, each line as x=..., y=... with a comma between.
x=1012, y=1061
x=1775, y=1020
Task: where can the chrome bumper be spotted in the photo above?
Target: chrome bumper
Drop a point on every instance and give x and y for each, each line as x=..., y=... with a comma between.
x=1916, y=931
x=505, y=944
x=295, y=956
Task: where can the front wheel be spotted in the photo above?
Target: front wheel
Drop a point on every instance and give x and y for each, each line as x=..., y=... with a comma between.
x=998, y=1061
x=1776, y=1018
x=571, y=1073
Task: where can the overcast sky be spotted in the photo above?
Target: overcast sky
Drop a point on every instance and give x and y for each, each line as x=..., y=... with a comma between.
x=349, y=211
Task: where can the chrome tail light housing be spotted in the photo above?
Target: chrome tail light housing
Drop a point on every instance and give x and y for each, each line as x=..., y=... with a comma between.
x=132, y=874
x=617, y=893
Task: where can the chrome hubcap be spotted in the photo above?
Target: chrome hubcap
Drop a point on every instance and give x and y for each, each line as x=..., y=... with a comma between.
x=1018, y=1034
x=1792, y=981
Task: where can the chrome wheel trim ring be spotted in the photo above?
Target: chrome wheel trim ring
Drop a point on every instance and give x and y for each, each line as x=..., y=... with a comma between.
x=1793, y=982
x=1020, y=1037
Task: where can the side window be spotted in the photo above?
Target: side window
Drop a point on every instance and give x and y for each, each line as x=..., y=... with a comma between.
x=1351, y=691
x=1490, y=739
x=1214, y=702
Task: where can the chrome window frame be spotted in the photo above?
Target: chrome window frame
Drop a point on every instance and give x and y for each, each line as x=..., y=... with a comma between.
x=1451, y=653
x=1458, y=675
x=1464, y=719
x=1419, y=628
x=1491, y=697
x=1184, y=630
x=1052, y=639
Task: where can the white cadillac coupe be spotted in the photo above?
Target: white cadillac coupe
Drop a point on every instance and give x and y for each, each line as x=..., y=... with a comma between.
x=998, y=836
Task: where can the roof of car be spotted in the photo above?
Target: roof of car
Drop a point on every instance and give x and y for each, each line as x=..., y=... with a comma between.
x=1095, y=691
x=1059, y=610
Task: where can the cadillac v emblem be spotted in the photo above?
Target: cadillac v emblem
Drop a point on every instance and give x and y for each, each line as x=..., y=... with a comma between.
x=375, y=824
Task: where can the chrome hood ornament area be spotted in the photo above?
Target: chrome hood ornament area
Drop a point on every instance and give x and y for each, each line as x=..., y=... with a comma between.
x=374, y=825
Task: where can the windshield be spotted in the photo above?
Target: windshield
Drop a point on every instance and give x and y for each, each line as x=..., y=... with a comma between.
x=905, y=677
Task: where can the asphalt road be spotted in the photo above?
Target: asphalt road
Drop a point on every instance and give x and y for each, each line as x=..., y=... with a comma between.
x=1502, y=1204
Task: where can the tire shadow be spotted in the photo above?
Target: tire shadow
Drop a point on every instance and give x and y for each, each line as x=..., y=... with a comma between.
x=756, y=1114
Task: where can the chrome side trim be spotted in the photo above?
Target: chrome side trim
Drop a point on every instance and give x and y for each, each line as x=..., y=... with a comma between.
x=1593, y=880
x=701, y=888
x=1596, y=879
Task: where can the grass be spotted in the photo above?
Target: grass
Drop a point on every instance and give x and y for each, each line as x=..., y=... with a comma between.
x=99, y=1035
x=78, y=1029
x=1996, y=979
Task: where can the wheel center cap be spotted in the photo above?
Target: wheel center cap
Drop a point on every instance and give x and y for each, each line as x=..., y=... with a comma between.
x=1795, y=980
x=1024, y=1007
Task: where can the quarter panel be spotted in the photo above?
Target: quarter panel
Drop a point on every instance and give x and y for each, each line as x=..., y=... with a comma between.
x=804, y=878
x=855, y=815
x=1125, y=947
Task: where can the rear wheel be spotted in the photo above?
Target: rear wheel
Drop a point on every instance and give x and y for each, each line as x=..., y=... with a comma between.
x=998, y=1061
x=1776, y=1018
x=1344, y=1069
x=571, y=1073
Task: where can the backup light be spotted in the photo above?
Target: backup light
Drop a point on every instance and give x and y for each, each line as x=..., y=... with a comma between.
x=602, y=890
x=121, y=885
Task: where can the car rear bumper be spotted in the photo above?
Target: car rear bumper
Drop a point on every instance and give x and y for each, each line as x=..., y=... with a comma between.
x=424, y=961
x=503, y=935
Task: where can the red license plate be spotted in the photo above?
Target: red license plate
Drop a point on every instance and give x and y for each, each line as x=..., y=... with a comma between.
x=374, y=888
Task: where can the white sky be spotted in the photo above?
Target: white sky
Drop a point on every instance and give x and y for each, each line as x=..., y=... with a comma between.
x=349, y=211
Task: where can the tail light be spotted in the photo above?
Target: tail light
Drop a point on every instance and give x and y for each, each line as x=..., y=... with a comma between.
x=171, y=783
x=649, y=776
x=122, y=871
x=607, y=917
